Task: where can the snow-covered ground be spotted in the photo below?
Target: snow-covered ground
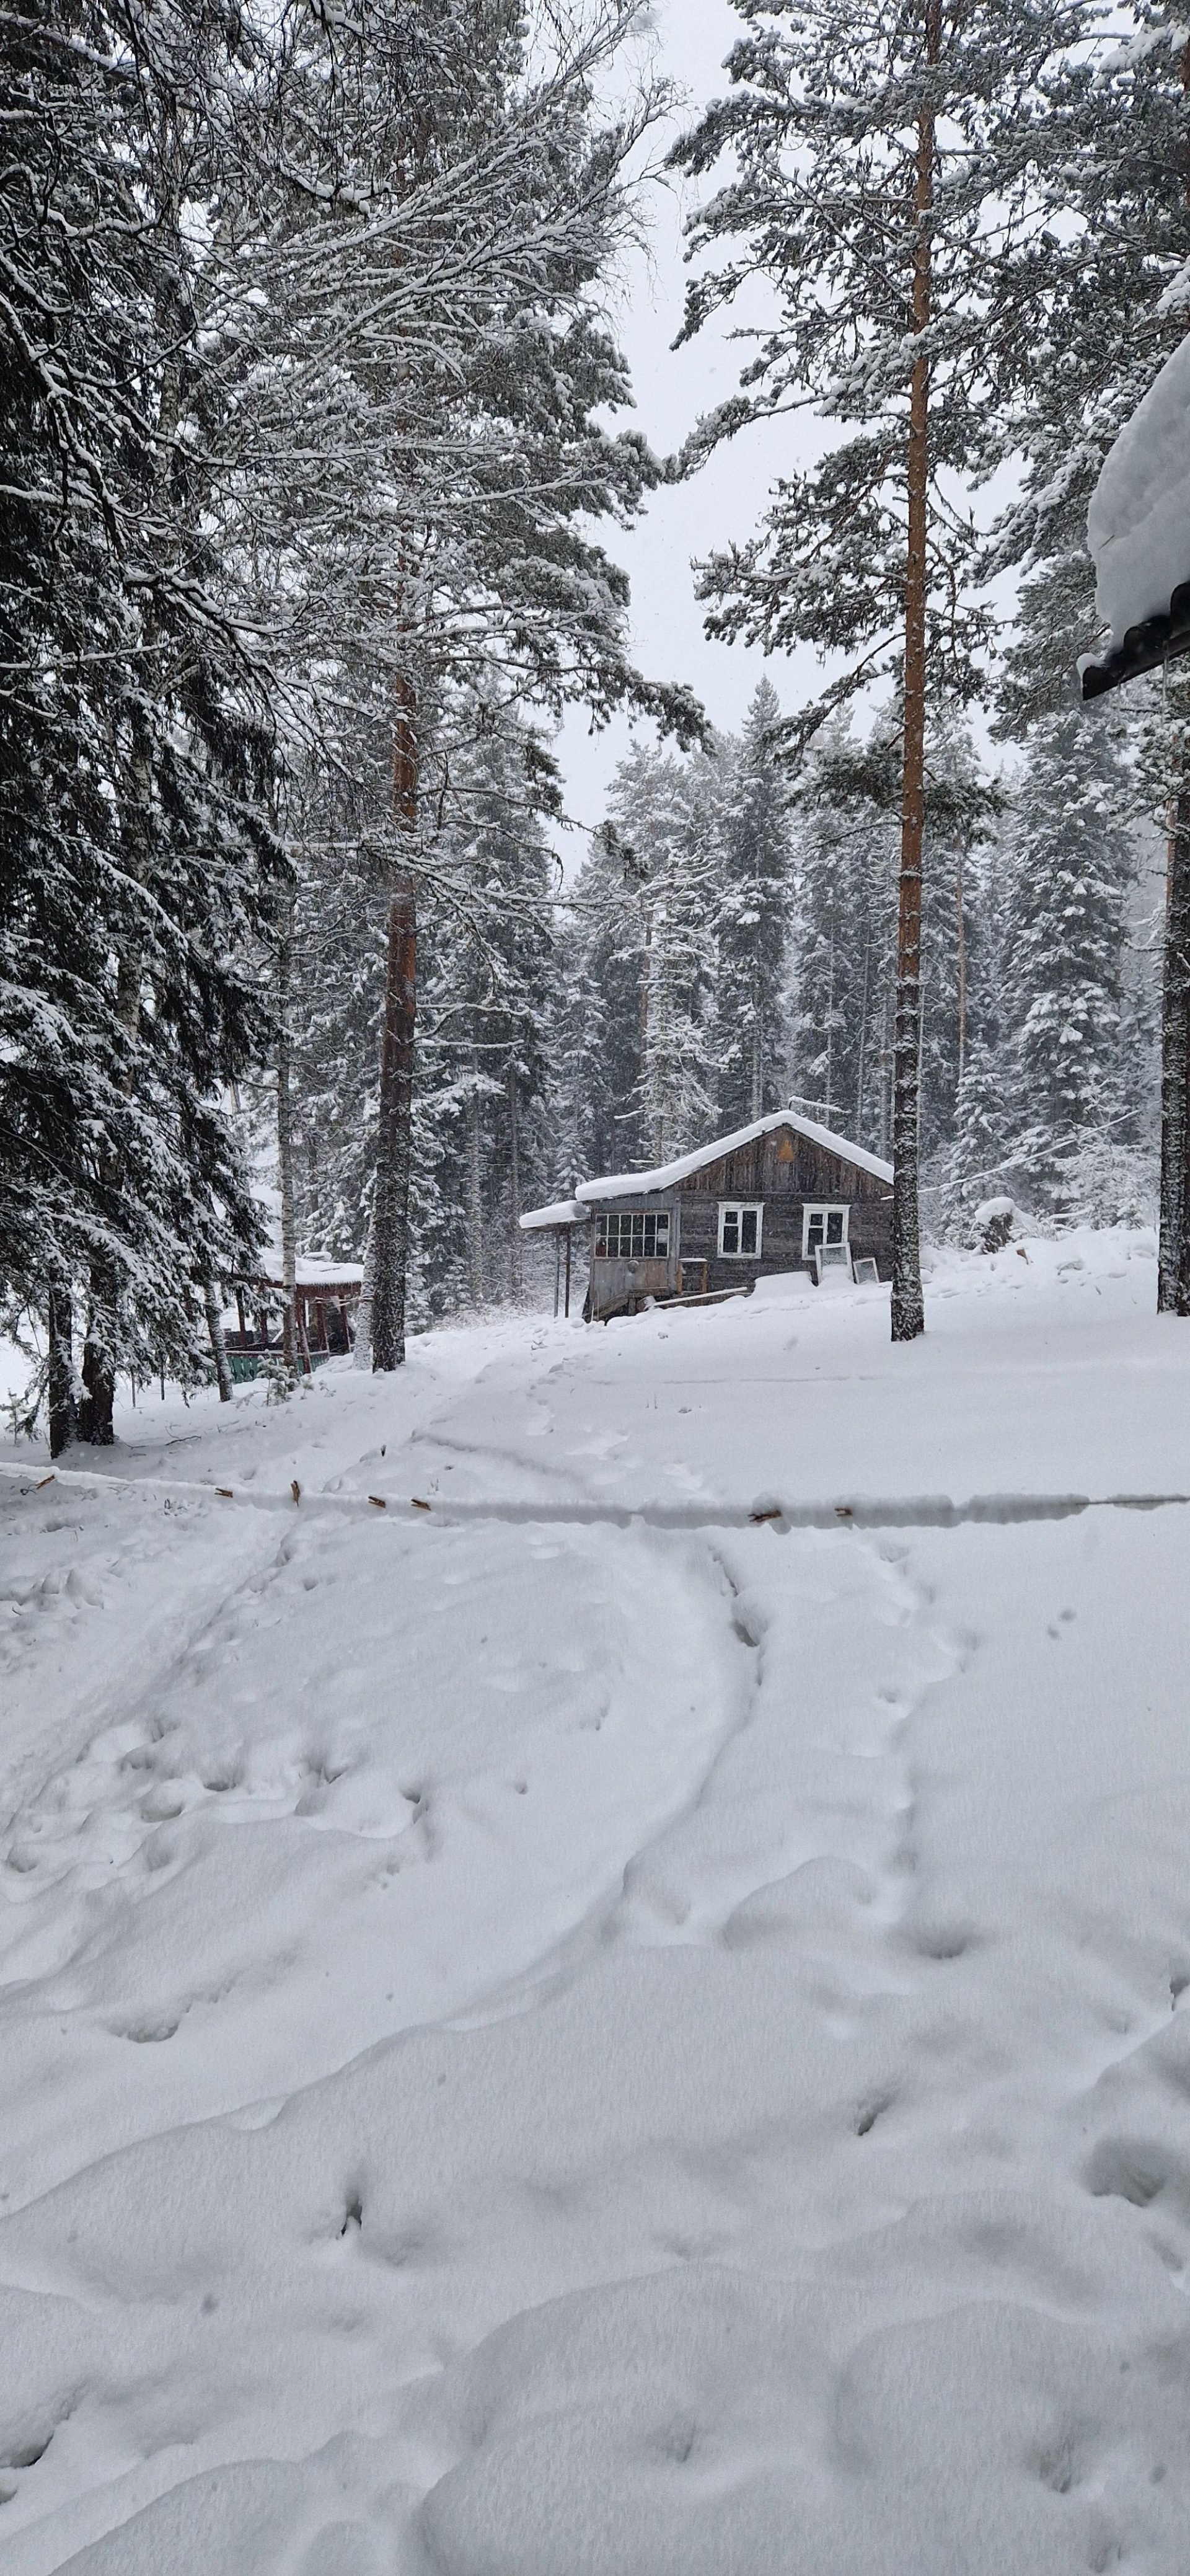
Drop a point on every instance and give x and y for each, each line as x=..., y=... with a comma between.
x=585, y=2031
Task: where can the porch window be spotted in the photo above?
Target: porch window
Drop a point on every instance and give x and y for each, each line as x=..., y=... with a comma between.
x=633, y=1234
x=823, y=1226
x=740, y=1226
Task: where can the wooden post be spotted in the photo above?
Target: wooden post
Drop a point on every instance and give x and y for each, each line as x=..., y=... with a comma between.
x=557, y=1268
x=569, y=1235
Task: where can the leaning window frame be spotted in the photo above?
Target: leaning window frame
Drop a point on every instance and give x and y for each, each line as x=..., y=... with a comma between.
x=741, y=1208
x=825, y=1208
x=624, y=1216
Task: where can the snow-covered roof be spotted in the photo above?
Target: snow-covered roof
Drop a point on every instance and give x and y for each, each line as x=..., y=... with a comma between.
x=560, y=1212
x=312, y=1271
x=1138, y=530
x=625, y=1185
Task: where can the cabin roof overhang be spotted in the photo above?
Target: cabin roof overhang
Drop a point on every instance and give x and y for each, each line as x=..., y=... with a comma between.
x=668, y=1176
x=314, y=1277
x=561, y=1212
x=1144, y=647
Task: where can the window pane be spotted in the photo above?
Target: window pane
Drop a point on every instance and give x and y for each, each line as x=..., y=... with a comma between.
x=834, y=1225
x=731, y=1229
x=650, y=1237
x=748, y=1230
x=814, y=1229
x=663, y=1237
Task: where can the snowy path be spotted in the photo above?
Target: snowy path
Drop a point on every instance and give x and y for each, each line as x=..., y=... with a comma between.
x=584, y=2033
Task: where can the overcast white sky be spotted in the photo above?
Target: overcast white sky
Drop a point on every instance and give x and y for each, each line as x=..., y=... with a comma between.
x=672, y=388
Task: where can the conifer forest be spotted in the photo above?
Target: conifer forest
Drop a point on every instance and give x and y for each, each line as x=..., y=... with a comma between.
x=319, y=440
x=594, y=1287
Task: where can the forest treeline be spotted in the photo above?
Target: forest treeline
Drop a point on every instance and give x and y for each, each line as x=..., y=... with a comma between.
x=313, y=471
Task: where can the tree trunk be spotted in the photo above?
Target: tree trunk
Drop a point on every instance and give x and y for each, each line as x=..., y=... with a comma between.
x=962, y=934
x=289, y=1334
x=394, y=1142
x=362, y=1347
x=395, y=1137
x=60, y=1389
x=474, y=1190
x=908, y=1311
x=863, y=1041
x=516, y=1276
x=1173, y=1269
x=210, y=1299
x=96, y=1424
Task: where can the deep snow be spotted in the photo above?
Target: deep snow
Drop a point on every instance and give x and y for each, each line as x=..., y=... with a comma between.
x=580, y=2032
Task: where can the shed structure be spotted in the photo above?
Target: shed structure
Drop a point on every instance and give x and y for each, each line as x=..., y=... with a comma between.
x=782, y=1193
x=327, y=1298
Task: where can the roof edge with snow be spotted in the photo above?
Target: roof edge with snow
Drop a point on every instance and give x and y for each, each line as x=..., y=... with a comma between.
x=559, y=1212
x=625, y=1185
x=1143, y=648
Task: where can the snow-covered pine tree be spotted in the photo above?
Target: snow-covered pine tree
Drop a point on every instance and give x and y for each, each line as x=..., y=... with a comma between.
x=454, y=195
x=1073, y=863
x=490, y=991
x=847, y=924
x=845, y=933
x=665, y=810
x=752, y=917
x=488, y=983
x=134, y=745
x=1115, y=259
x=597, y=1044
x=883, y=174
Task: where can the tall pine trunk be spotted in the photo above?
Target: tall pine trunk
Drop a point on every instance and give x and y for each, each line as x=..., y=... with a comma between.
x=1173, y=1271
x=289, y=1336
x=394, y=1142
x=908, y=1311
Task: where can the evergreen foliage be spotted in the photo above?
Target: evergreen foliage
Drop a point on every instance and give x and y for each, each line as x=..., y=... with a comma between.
x=752, y=919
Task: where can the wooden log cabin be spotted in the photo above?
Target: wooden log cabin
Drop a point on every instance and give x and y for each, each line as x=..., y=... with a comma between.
x=783, y=1194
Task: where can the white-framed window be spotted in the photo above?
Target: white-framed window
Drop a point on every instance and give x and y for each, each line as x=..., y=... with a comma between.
x=633, y=1234
x=822, y=1225
x=741, y=1224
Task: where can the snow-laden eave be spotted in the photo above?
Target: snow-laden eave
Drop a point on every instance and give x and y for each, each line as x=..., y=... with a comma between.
x=627, y=1185
x=1143, y=647
x=1138, y=531
x=559, y=1212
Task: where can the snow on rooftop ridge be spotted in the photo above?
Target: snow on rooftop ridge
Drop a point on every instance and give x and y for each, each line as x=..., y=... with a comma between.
x=313, y=1270
x=622, y=1185
x=559, y=1212
x=1138, y=523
